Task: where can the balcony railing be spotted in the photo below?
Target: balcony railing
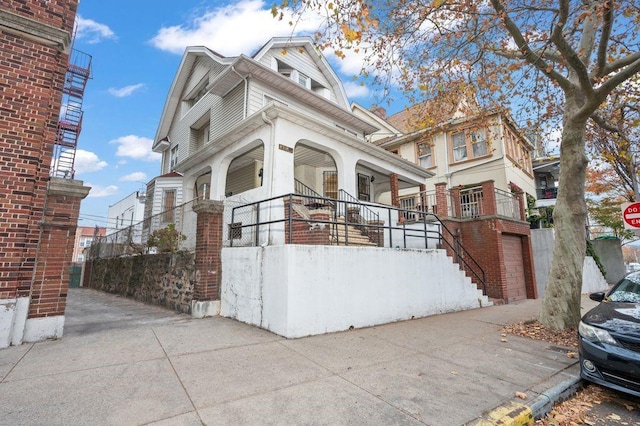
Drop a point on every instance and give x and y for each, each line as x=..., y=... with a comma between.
x=507, y=204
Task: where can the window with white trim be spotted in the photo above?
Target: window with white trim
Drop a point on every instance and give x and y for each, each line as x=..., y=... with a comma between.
x=469, y=144
x=173, y=157
x=425, y=156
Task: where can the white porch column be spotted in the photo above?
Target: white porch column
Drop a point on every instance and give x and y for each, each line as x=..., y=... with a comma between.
x=347, y=174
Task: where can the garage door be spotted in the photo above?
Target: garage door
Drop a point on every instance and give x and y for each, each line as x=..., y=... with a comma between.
x=516, y=285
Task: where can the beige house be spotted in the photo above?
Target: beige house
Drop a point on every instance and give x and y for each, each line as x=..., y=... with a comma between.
x=462, y=153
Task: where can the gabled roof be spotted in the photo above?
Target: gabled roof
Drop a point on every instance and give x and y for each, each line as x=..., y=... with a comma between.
x=191, y=54
x=307, y=44
x=241, y=67
x=387, y=128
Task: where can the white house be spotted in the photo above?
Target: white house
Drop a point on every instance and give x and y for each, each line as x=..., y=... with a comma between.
x=252, y=129
x=126, y=212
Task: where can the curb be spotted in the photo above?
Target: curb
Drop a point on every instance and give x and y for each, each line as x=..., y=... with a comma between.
x=515, y=413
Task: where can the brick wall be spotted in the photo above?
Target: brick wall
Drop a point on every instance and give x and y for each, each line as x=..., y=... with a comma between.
x=34, y=39
x=208, y=265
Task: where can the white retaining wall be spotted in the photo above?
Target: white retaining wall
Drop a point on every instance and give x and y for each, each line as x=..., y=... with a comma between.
x=301, y=290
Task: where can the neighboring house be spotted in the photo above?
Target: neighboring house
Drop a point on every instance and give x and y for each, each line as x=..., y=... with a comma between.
x=85, y=235
x=547, y=172
x=483, y=179
x=126, y=212
x=468, y=149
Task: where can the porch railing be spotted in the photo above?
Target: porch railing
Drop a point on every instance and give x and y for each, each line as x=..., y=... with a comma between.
x=507, y=204
x=365, y=215
x=278, y=219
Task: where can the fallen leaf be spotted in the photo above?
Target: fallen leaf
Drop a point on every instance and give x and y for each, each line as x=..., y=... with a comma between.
x=503, y=340
x=521, y=395
x=572, y=354
x=614, y=417
x=455, y=373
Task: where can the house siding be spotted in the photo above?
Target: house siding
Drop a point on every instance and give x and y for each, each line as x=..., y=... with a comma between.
x=299, y=60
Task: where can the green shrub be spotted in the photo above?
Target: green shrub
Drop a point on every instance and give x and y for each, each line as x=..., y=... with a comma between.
x=167, y=239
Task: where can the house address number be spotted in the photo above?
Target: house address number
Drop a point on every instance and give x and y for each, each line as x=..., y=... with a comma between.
x=285, y=148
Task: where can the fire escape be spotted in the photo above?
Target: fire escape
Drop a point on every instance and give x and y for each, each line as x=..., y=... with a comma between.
x=70, y=120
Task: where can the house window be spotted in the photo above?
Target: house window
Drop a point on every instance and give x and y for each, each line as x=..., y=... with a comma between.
x=173, y=157
x=459, y=147
x=364, y=187
x=168, y=205
x=304, y=80
x=86, y=242
x=469, y=144
x=478, y=143
x=425, y=158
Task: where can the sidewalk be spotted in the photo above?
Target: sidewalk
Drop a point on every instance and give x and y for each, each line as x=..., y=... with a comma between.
x=125, y=363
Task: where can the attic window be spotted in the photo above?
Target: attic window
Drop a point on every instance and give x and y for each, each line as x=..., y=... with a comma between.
x=198, y=92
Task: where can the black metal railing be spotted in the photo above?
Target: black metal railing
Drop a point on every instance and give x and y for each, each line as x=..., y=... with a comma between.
x=363, y=215
x=302, y=189
x=254, y=223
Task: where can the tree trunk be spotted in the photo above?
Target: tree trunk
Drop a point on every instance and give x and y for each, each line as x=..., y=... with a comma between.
x=561, y=303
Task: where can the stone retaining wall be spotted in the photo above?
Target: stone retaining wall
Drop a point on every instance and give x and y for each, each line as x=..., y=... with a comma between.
x=164, y=279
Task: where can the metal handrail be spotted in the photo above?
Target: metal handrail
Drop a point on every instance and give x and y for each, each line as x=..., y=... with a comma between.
x=365, y=214
x=443, y=235
x=302, y=189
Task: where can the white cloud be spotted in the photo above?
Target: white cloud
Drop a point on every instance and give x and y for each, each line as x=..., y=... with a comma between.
x=93, y=31
x=87, y=161
x=136, y=147
x=356, y=90
x=134, y=177
x=224, y=29
x=125, y=91
x=98, y=191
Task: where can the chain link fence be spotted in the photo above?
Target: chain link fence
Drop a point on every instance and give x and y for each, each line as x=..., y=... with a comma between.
x=169, y=226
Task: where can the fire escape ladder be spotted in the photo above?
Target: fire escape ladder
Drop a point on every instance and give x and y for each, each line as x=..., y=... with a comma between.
x=70, y=119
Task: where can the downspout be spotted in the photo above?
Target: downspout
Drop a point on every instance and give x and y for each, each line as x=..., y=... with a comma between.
x=246, y=92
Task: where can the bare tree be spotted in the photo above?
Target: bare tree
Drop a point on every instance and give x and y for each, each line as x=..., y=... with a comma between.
x=542, y=58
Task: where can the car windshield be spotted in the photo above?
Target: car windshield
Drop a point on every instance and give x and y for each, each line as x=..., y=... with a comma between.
x=626, y=291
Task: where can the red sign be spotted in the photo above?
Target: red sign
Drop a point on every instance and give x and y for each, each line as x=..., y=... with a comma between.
x=631, y=215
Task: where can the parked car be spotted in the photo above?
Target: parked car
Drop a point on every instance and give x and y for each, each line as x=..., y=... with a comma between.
x=609, y=337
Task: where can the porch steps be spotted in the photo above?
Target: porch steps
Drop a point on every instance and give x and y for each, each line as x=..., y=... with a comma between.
x=339, y=235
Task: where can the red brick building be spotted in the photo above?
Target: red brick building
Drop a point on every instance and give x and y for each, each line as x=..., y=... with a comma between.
x=38, y=211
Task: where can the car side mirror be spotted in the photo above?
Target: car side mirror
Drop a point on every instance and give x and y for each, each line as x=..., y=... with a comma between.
x=598, y=297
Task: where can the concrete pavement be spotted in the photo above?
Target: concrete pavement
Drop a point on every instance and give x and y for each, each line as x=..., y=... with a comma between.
x=122, y=362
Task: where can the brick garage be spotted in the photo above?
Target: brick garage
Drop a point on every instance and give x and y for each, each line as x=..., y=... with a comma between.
x=38, y=216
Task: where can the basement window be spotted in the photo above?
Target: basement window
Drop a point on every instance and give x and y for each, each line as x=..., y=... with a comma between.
x=235, y=231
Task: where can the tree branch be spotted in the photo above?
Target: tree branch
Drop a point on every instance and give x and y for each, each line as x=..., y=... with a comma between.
x=575, y=61
x=528, y=54
x=607, y=24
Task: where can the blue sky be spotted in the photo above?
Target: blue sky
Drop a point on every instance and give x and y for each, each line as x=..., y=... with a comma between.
x=136, y=48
